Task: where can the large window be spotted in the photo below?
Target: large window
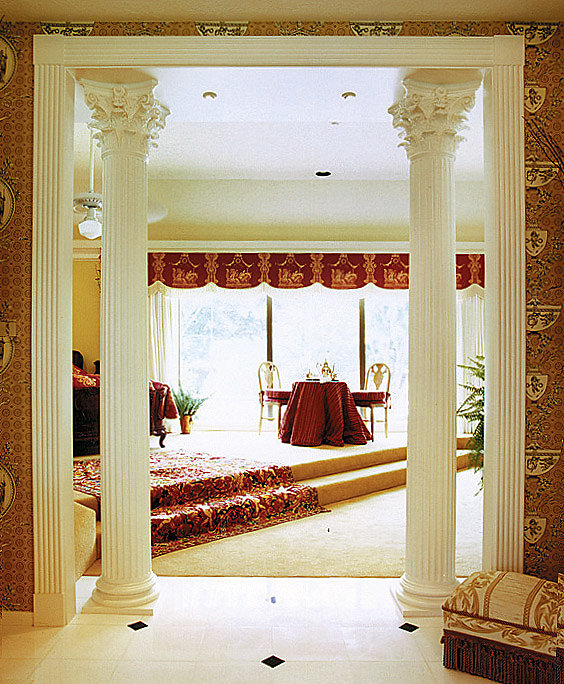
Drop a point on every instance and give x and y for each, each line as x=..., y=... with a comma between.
x=386, y=340
x=310, y=326
x=222, y=342
x=225, y=335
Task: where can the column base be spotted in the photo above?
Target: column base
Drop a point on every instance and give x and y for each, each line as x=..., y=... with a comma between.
x=421, y=600
x=127, y=598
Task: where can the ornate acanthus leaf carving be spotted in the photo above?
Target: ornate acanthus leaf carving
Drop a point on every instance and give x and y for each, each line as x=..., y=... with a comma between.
x=432, y=115
x=125, y=116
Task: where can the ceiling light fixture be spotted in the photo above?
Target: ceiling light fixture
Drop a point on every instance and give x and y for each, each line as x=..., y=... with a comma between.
x=156, y=212
x=349, y=93
x=209, y=95
x=323, y=174
x=90, y=203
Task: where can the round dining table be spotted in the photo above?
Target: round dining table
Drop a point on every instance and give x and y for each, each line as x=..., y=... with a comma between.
x=322, y=413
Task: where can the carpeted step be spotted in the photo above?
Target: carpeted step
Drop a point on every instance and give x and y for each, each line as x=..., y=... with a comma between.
x=346, y=462
x=351, y=484
x=204, y=476
x=198, y=497
x=185, y=525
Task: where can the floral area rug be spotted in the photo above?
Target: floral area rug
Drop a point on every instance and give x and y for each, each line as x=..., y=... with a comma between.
x=198, y=498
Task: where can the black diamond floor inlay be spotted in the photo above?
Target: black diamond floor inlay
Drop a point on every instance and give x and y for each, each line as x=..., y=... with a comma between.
x=408, y=627
x=138, y=625
x=273, y=661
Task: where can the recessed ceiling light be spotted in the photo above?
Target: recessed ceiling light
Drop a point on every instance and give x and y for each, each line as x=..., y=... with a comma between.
x=323, y=174
x=349, y=93
x=209, y=95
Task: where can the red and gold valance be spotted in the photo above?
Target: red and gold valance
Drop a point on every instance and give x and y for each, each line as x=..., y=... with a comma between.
x=292, y=271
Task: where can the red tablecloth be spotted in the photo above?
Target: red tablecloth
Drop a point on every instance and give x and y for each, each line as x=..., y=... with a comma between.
x=322, y=413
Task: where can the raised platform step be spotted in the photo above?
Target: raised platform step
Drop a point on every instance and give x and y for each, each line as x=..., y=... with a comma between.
x=347, y=462
x=353, y=483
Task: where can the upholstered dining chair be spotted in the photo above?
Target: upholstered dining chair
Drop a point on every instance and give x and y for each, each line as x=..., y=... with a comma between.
x=270, y=393
x=375, y=394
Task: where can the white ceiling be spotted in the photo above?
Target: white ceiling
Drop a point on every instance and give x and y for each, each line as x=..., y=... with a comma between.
x=245, y=161
x=284, y=124
x=290, y=10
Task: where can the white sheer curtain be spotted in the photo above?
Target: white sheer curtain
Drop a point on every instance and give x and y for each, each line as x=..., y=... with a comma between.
x=470, y=340
x=164, y=337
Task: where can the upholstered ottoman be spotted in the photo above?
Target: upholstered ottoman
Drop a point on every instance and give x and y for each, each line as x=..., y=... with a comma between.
x=507, y=627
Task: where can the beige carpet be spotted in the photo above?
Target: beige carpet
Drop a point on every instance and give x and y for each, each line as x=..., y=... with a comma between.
x=361, y=537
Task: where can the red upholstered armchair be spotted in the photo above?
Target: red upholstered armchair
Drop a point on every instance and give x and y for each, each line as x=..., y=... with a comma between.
x=270, y=393
x=161, y=406
x=375, y=393
x=86, y=408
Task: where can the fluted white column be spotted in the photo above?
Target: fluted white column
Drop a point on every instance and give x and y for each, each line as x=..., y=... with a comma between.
x=504, y=439
x=54, y=596
x=430, y=116
x=127, y=120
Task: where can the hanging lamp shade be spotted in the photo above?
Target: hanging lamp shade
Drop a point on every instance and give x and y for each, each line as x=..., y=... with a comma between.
x=90, y=203
x=90, y=228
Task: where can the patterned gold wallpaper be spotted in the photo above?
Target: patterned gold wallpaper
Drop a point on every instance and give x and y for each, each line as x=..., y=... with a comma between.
x=544, y=101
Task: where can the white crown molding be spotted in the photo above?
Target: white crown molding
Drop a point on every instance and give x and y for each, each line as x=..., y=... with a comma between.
x=297, y=247
x=392, y=51
x=83, y=251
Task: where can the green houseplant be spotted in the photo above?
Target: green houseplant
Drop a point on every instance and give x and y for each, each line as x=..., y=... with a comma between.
x=187, y=406
x=472, y=409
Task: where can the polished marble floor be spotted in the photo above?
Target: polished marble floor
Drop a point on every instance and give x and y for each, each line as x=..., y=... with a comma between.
x=218, y=630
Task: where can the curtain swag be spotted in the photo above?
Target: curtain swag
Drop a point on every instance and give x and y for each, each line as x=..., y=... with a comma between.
x=293, y=271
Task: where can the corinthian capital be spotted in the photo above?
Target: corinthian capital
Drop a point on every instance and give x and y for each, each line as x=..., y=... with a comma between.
x=431, y=115
x=127, y=117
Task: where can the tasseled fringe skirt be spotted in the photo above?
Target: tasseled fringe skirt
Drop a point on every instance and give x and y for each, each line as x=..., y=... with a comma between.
x=500, y=662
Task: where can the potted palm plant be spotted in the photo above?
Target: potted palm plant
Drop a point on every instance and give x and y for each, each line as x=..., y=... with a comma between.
x=187, y=406
x=472, y=409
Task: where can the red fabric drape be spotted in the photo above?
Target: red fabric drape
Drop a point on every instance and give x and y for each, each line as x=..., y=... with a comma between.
x=292, y=271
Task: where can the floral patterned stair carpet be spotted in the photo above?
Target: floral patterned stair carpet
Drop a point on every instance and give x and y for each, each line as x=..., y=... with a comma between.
x=198, y=498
